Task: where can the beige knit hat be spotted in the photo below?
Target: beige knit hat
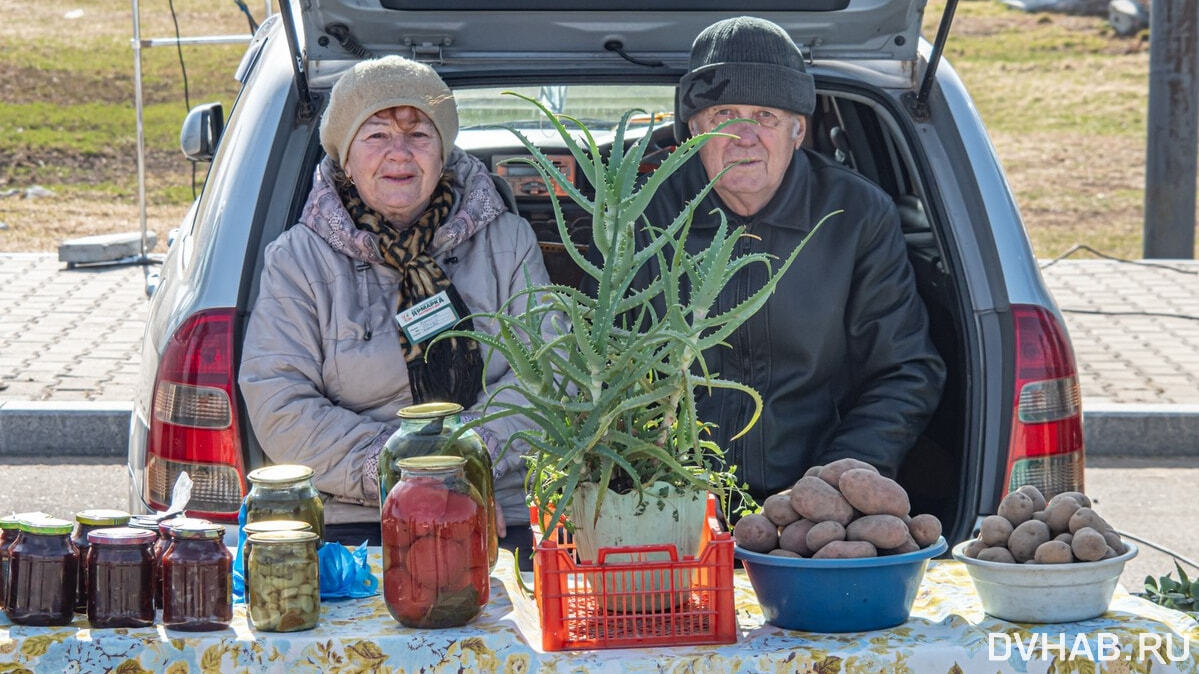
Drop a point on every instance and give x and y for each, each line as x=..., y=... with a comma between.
x=378, y=84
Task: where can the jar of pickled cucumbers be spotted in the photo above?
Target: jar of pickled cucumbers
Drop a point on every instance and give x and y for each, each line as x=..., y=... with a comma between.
x=285, y=492
x=429, y=429
x=87, y=521
x=42, y=569
x=283, y=589
x=197, y=582
x=120, y=571
x=434, y=527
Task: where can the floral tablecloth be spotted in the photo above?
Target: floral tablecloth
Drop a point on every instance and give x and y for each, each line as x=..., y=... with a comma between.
x=948, y=632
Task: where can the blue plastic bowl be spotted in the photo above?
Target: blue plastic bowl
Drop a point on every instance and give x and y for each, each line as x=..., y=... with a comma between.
x=837, y=595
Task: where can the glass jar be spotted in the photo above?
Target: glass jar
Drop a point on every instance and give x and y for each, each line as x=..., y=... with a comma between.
x=150, y=523
x=120, y=571
x=426, y=430
x=435, y=567
x=262, y=528
x=162, y=541
x=9, y=530
x=285, y=492
x=42, y=571
x=87, y=521
x=282, y=580
x=197, y=583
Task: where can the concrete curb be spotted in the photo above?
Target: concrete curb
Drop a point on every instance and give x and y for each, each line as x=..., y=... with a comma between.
x=29, y=428
x=101, y=429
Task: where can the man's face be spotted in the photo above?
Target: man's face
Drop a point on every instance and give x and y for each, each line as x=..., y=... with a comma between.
x=758, y=157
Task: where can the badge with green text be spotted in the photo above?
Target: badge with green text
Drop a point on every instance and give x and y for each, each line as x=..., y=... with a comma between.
x=427, y=318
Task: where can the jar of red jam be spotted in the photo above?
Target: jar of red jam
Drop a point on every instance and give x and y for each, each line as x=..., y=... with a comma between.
x=433, y=428
x=434, y=527
x=285, y=492
x=120, y=571
x=8, y=535
x=87, y=521
x=42, y=568
x=197, y=582
x=161, y=542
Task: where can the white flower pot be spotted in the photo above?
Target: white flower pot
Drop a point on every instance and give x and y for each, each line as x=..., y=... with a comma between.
x=665, y=516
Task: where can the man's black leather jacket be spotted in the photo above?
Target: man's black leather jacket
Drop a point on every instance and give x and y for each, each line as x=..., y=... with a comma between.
x=840, y=353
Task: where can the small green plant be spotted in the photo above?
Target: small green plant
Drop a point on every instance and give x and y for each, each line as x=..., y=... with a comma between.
x=1181, y=594
x=610, y=376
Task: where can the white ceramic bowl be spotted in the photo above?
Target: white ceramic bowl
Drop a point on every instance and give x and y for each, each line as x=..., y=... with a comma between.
x=1045, y=593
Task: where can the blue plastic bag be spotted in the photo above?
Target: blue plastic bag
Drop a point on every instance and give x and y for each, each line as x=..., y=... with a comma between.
x=344, y=573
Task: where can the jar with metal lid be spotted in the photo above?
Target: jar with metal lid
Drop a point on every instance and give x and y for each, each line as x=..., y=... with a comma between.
x=162, y=542
x=283, y=589
x=120, y=571
x=87, y=521
x=261, y=528
x=42, y=568
x=428, y=429
x=285, y=492
x=435, y=568
x=197, y=583
x=8, y=535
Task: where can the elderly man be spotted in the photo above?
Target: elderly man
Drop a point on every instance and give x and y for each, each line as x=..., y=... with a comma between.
x=841, y=353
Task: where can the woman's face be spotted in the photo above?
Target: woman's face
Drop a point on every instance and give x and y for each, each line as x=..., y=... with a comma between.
x=395, y=161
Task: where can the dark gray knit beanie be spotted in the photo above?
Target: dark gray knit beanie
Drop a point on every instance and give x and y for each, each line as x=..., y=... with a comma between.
x=743, y=61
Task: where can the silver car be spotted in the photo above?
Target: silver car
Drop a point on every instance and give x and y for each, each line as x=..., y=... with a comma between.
x=1011, y=411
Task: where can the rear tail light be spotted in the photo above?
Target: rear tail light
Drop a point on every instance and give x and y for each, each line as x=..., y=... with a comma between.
x=194, y=425
x=1046, y=448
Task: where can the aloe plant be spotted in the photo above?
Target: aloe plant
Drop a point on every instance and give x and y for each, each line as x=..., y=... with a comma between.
x=1181, y=594
x=609, y=380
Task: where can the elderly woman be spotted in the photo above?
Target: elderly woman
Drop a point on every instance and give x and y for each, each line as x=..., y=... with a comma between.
x=397, y=216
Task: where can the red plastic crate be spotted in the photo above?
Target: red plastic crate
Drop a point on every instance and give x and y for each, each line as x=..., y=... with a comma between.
x=579, y=603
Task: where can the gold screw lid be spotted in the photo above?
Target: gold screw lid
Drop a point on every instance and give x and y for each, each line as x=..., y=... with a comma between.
x=283, y=537
x=166, y=526
x=275, y=525
x=102, y=517
x=198, y=529
x=283, y=473
x=431, y=462
x=429, y=410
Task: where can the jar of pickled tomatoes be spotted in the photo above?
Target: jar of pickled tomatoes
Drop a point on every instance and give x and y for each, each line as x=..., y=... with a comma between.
x=435, y=560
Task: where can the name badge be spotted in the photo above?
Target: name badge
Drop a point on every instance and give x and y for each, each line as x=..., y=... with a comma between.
x=426, y=319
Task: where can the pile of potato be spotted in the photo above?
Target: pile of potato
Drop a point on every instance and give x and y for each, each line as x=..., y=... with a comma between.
x=1028, y=530
x=837, y=511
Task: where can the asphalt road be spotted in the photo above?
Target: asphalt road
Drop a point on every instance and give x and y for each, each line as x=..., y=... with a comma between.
x=1153, y=499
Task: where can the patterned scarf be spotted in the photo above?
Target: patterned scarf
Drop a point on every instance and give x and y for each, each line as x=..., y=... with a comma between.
x=453, y=369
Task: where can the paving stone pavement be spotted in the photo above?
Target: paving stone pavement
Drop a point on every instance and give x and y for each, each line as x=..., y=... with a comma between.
x=74, y=335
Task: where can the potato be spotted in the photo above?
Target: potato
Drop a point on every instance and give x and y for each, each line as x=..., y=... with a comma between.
x=995, y=531
x=909, y=545
x=996, y=554
x=883, y=531
x=812, y=471
x=1088, y=544
x=974, y=547
x=1110, y=553
x=1053, y=552
x=1082, y=499
x=816, y=500
x=1038, y=499
x=831, y=473
x=823, y=533
x=777, y=508
x=925, y=529
x=1026, y=538
x=1067, y=496
x=1041, y=516
x=793, y=537
x=1016, y=507
x=1066, y=538
x=756, y=533
x=874, y=494
x=1059, y=514
x=846, y=550
x=1114, y=542
x=1085, y=517
x=779, y=552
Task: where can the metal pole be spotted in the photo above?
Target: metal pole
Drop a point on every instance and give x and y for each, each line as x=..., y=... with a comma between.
x=1170, y=160
x=141, y=125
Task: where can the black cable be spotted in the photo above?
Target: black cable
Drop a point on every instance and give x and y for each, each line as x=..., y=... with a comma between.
x=187, y=105
x=249, y=17
x=1140, y=263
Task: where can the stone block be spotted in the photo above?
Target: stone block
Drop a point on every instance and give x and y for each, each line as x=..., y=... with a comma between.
x=103, y=248
x=70, y=429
